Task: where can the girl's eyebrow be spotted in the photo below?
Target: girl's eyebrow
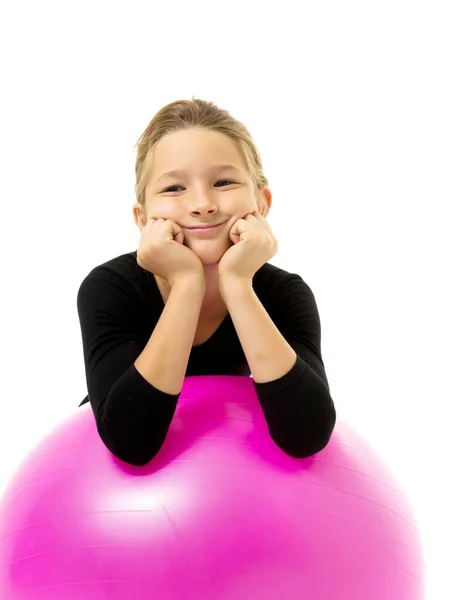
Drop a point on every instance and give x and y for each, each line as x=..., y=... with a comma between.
x=180, y=172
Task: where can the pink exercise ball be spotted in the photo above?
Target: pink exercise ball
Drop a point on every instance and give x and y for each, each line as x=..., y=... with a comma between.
x=221, y=513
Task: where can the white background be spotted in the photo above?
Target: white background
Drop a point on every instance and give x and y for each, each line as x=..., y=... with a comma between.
x=348, y=103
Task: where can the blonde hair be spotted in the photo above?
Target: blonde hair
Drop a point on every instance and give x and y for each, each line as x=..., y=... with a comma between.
x=195, y=114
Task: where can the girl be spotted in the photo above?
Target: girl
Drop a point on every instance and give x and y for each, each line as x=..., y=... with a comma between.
x=198, y=297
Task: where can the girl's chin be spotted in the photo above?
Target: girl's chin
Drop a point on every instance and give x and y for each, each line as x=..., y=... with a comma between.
x=214, y=245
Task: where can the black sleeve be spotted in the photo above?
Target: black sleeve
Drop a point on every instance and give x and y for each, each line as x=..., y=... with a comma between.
x=298, y=407
x=132, y=416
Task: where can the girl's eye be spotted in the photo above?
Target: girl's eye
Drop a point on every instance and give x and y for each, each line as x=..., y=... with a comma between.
x=220, y=181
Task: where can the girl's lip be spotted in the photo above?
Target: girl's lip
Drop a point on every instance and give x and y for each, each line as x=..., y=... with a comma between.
x=205, y=228
x=209, y=232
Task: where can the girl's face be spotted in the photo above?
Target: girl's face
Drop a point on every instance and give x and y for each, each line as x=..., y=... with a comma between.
x=203, y=191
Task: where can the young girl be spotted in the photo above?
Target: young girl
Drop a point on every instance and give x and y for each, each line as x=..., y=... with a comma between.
x=198, y=297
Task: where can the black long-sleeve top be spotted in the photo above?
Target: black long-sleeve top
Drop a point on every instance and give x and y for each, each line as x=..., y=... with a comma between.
x=119, y=305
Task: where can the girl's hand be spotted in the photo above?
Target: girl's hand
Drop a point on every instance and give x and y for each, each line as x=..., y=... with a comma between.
x=254, y=244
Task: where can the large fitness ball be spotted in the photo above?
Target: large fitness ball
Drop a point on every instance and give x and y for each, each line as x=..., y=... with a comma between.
x=221, y=513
